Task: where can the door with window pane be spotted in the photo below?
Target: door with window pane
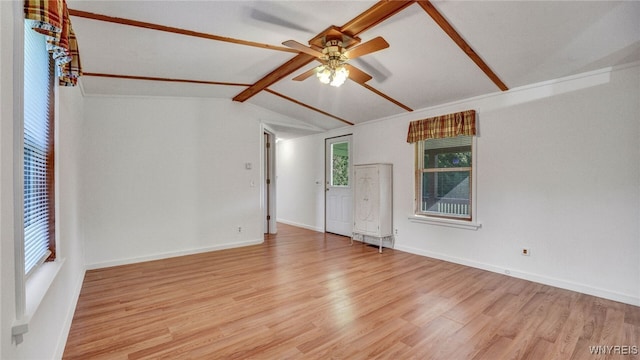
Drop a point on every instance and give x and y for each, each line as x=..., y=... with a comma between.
x=338, y=187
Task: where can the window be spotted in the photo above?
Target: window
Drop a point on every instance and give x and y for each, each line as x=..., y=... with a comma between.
x=340, y=164
x=38, y=157
x=443, y=177
x=444, y=169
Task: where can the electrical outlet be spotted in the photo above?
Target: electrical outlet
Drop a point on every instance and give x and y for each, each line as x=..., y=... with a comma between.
x=239, y=229
x=526, y=252
x=396, y=231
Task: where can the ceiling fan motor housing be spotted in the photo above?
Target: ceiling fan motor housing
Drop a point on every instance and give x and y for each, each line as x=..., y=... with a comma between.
x=333, y=53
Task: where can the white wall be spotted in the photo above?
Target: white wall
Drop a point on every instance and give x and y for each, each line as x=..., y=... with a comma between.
x=167, y=176
x=558, y=172
x=49, y=324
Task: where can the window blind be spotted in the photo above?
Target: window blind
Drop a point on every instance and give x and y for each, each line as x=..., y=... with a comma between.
x=38, y=150
x=450, y=142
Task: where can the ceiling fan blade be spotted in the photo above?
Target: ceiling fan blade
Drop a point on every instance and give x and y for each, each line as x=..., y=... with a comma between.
x=260, y=15
x=374, y=68
x=357, y=75
x=302, y=48
x=305, y=75
x=367, y=48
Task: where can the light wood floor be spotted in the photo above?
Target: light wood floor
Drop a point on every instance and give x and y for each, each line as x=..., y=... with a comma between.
x=307, y=295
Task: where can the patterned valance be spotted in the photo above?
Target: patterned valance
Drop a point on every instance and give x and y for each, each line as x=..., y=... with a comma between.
x=450, y=125
x=52, y=19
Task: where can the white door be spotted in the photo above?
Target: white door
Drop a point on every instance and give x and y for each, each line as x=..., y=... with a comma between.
x=338, y=186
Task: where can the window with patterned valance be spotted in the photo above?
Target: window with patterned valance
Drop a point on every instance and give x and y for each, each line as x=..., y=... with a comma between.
x=444, y=165
x=50, y=49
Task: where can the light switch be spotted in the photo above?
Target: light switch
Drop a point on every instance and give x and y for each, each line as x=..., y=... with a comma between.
x=247, y=166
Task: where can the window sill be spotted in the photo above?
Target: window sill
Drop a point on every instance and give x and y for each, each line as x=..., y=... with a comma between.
x=36, y=287
x=460, y=224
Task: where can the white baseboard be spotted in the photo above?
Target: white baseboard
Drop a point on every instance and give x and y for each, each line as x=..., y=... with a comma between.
x=167, y=255
x=66, y=326
x=304, y=226
x=555, y=282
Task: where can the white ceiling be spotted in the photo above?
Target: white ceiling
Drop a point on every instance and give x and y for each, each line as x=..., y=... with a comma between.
x=523, y=42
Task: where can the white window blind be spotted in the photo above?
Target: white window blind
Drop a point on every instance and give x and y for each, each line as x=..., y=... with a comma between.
x=38, y=150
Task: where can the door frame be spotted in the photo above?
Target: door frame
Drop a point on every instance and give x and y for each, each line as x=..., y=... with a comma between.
x=327, y=171
x=268, y=171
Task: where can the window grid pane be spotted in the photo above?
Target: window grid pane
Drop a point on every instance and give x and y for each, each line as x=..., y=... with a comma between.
x=446, y=193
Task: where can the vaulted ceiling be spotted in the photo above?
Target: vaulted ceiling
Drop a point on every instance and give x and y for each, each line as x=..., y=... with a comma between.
x=439, y=51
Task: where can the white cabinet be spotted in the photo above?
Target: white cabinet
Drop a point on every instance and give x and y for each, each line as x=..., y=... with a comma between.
x=372, y=210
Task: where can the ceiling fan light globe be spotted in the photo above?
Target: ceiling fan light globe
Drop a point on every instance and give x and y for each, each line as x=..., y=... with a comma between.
x=324, y=76
x=336, y=82
x=342, y=73
x=339, y=76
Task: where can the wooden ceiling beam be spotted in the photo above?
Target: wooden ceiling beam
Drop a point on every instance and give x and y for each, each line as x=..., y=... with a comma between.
x=453, y=34
x=174, y=30
x=284, y=70
x=371, y=17
x=151, y=78
x=387, y=97
x=307, y=106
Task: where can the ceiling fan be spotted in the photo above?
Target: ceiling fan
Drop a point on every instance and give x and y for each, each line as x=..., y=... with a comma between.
x=334, y=49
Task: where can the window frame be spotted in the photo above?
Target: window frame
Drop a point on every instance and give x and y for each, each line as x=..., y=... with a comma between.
x=332, y=165
x=50, y=152
x=29, y=292
x=419, y=216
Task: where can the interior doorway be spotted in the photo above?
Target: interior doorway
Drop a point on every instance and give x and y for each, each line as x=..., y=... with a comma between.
x=338, y=185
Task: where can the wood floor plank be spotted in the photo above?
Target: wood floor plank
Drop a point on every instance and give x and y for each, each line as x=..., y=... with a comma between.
x=630, y=339
x=566, y=344
x=631, y=315
x=612, y=330
x=436, y=340
x=495, y=350
x=304, y=294
x=472, y=339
